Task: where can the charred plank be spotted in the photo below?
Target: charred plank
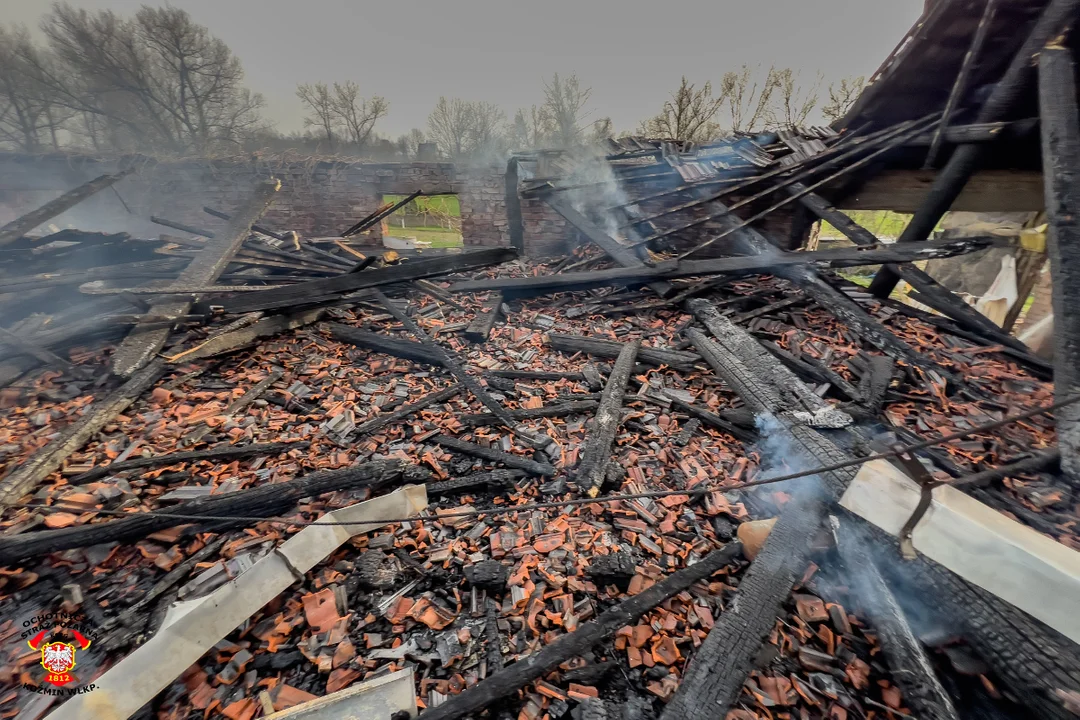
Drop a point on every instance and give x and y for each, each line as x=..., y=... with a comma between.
x=20, y=226
x=597, y=453
x=496, y=456
x=234, y=452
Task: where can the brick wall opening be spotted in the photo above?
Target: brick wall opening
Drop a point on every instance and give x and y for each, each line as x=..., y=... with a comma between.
x=429, y=221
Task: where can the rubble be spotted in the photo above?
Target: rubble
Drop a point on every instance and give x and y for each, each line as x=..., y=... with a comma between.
x=632, y=457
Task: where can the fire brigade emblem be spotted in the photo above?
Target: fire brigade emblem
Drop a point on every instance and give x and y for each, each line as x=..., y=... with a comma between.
x=58, y=657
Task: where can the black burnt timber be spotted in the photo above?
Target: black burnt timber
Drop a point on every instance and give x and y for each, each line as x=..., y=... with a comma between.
x=557, y=410
x=256, y=227
x=536, y=375
x=1061, y=173
x=496, y=456
x=447, y=360
x=1042, y=461
x=165, y=222
x=813, y=373
x=243, y=337
x=430, y=288
x=509, y=680
x=625, y=256
x=1003, y=100
x=142, y=344
x=596, y=455
x=878, y=378
x=328, y=289
x=834, y=258
x=611, y=349
x=934, y=293
x=384, y=419
x=232, y=452
x=961, y=83
x=911, y=668
x=31, y=473
x=494, y=478
x=792, y=393
x=261, y=501
x=981, y=133
x=480, y=328
x=710, y=418
x=380, y=214
x=20, y=226
x=388, y=344
x=717, y=670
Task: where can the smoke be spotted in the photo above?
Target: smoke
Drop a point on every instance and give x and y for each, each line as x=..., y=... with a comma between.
x=595, y=191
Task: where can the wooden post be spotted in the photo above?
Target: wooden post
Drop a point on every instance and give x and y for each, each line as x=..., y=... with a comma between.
x=950, y=181
x=1061, y=171
x=142, y=344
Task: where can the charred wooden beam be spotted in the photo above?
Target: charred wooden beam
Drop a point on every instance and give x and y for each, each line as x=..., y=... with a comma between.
x=624, y=256
x=961, y=83
x=243, y=337
x=232, y=452
x=480, y=328
x=141, y=344
x=1003, y=100
x=261, y=501
x=911, y=667
x=329, y=289
x=763, y=263
x=1043, y=461
x=495, y=478
x=611, y=349
x=981, y=133
x=1061, y=170
x=384, y=419
x=511, y=679
x=385, y=210
x=20, y=226
x=710, y=418
x=557, y=410
x=496, y=456
x=935, y=294
x=165, y=222
x=591, y=471
x=537, y=375
x=25, y=478
x=879, y=375
x=377, y=342
x=29, y=347
x=254, y=226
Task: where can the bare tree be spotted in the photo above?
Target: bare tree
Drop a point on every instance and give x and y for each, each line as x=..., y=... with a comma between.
x=794, y=100
x=565, y=102
x=29, y=120
x=749, y=101
x=408, y=145
x=464, y=128
x=689, y=115
x=602, y=129
x=356, y=114
x=157, y=80
x=842, y=96
x=319, y=101
x=531, y=128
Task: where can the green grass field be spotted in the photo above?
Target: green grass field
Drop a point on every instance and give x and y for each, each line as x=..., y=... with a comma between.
x=432, y=203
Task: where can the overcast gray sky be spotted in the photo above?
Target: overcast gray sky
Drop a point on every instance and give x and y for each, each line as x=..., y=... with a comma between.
x=631, y=53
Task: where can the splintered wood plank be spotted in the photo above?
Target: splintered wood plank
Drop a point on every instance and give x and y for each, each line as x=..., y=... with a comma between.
x=142, y=344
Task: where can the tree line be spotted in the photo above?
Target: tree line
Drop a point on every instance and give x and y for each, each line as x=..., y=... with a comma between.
x=159, y=82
